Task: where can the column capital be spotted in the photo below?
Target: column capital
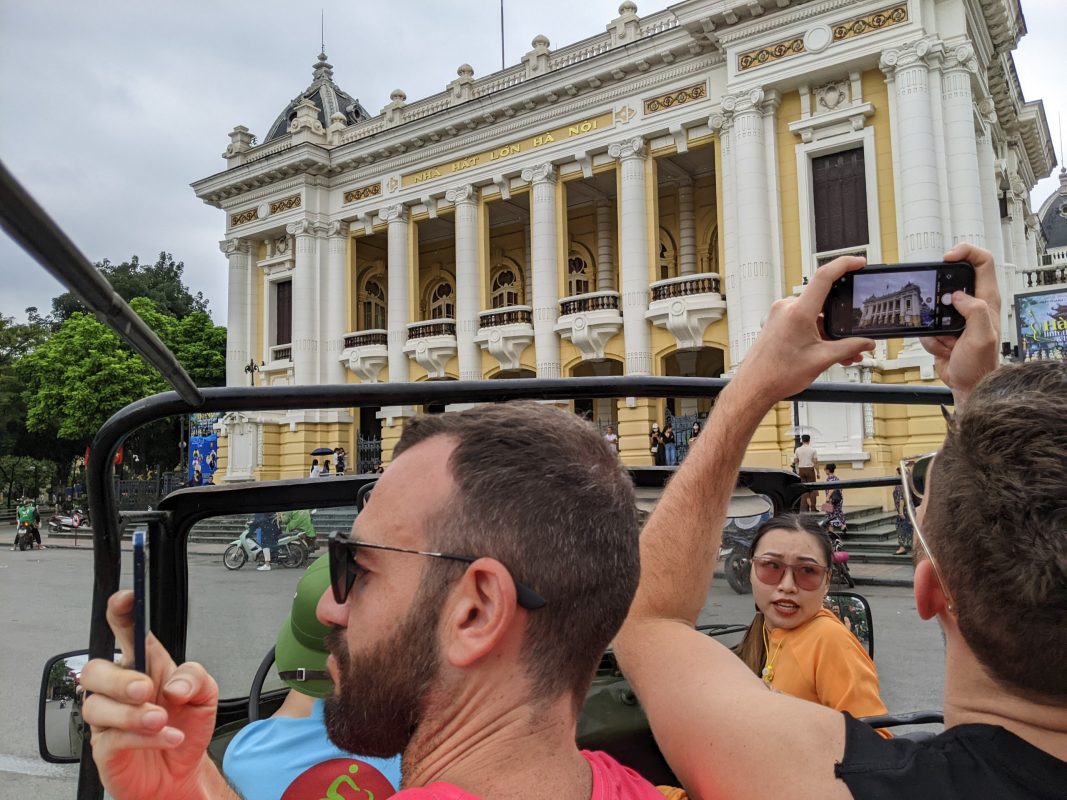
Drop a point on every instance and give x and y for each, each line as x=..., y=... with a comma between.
x=391, y=214
x=338, y=228
x=232, y=247
x=302, y=227
x=961, y=57
x=925, y=52
x=631, y=148
x=542, y=173
x=987, y=108
x=462, y=194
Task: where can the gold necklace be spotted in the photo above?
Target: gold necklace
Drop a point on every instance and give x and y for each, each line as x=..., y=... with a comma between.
x=768, y=670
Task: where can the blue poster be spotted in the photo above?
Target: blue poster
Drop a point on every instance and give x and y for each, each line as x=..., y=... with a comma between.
x=1041, y=318
x=203, y=455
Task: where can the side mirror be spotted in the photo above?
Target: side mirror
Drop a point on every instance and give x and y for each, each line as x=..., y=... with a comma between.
x=855, y=612
x=60, y=728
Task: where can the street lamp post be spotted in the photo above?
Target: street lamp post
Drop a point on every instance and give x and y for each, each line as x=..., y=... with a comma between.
x=251, y=368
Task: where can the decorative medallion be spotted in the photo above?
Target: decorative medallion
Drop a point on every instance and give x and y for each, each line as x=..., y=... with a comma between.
x=243, y=217
x=678, y=98
x=772, y=52
x=285, y=205
x=875, y=21
x=624, y=114
x=393, y=184
x=363, y=192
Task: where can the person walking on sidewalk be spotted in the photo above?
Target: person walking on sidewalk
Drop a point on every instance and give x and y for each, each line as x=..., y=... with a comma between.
x=806, y=461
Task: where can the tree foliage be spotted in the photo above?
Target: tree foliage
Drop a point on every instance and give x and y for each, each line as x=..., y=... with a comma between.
x=160, y=282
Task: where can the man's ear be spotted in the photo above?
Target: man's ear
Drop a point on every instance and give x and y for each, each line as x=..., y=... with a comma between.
x=481, y=613
x=929, y=597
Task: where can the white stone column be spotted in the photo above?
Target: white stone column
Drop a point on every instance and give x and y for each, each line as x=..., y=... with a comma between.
x=605, y=248
x=306, y=310
x=238, y=310
x=752, y=290
x=921, y=237
x=722, y=123
x=544, y=241
x=1032, y=225
x=633, y=253
x=994, y=238
x=687, y=229
x=398, y=267
x=468, y=281
x=961, y=148
x=334, y=293
x=1017, y=209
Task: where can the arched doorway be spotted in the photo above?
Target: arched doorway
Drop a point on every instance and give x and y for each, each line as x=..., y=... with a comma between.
x=600, y=411
x=682, y=412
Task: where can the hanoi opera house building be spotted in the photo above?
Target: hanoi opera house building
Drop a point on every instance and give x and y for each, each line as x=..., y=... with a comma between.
x=630, y=204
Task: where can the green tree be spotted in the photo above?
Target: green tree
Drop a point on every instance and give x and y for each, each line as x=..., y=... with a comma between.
x=160, y=282
x=73, y=382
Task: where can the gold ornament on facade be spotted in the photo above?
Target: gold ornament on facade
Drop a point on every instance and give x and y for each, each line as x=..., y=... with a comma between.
x=363, y=192
x=875, y=21
x=678, y=98
x=285, y=205
x=772, y=52
x=243, y=217
x=624, y=114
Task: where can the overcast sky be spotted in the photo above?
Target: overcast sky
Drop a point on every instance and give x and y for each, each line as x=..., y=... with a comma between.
x=111, y=109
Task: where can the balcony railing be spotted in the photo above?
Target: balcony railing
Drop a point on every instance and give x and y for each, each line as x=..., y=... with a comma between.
x=1035, y=278
x=584, y=303
x=511, y=315
x=686, y=286
x=436, y=327
x=365, y=338
x=281, y=352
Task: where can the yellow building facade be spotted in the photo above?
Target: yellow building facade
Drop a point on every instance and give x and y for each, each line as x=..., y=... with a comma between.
x=628, y=205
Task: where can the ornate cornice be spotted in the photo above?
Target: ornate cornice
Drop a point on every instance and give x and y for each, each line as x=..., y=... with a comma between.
x=542, y=173
x=631, y=148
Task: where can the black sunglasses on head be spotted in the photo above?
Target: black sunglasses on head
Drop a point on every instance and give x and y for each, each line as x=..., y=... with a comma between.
x=344, y=569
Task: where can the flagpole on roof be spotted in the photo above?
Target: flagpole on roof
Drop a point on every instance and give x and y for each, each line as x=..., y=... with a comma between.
x=501, y=34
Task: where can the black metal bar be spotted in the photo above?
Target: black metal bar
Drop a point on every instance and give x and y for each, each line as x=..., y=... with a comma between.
x=28, y=224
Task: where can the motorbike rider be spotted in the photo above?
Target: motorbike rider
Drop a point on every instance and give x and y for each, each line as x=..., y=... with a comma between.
x=27, y=513
x=299, y=521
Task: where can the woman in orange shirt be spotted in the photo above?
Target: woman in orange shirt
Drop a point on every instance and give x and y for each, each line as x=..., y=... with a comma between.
x=794, y=643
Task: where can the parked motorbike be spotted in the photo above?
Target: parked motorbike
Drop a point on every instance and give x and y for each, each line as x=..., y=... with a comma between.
x=290, y=551
x=77, y=518
x=24, y=538
x=839, y=572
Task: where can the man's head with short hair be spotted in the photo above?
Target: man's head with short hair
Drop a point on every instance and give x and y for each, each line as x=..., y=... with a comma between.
x=805, y=439
x=995, y=516
x=541, y=491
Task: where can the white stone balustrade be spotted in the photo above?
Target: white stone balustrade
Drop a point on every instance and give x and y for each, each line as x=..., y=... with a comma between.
x=432, y=344
x=366, y=353
x=685, y=306
x=589, y=321
x=505, y=333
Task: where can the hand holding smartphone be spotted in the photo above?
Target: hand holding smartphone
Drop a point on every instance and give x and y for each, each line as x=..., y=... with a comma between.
x=889, y=301
x=139, y=602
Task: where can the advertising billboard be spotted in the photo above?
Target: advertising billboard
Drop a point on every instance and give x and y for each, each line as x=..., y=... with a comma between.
x=1041, y=321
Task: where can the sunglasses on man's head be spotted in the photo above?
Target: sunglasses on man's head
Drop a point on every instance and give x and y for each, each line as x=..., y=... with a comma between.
x=344, y=568
x=770, y=571
x=914, y=473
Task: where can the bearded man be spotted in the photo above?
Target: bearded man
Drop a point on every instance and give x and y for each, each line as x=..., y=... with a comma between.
x=471, y=604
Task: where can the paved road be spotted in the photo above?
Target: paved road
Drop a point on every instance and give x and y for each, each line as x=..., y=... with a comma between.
x=234, y=620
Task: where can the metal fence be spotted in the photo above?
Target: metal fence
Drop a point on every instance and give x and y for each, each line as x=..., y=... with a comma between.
x=368, y=454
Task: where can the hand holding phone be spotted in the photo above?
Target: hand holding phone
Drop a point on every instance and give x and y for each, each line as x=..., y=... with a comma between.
x=889, y=301
x=139, y=602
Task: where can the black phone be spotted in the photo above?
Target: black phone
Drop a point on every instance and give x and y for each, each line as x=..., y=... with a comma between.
x=139, y=601
x=889, y=301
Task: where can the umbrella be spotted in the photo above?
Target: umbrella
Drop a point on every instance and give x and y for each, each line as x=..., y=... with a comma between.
x=322, y=451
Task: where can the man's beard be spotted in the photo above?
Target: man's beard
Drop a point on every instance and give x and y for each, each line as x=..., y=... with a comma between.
x=379, y=700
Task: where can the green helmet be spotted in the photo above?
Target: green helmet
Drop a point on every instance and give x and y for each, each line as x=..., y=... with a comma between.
x=300, y=651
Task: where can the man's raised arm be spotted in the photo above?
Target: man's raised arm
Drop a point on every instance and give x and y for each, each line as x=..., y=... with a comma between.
x=707, y=710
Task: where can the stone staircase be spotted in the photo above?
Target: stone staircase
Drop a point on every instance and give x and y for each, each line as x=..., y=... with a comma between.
x=871, y=536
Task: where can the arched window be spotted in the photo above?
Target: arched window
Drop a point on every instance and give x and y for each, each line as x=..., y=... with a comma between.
x=442, y=301
x=506, y=287
x=373, y=303
x=577, y=275
x=668, y=256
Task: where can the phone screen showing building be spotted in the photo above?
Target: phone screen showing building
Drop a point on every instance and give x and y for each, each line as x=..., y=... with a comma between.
x=907, y=299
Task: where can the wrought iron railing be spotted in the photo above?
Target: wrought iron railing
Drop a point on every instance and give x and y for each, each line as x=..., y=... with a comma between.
x=365, y=338
x=704, y=283
x=594, y=301
x=512, y=315
x=368, y=454
x=436, y=327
